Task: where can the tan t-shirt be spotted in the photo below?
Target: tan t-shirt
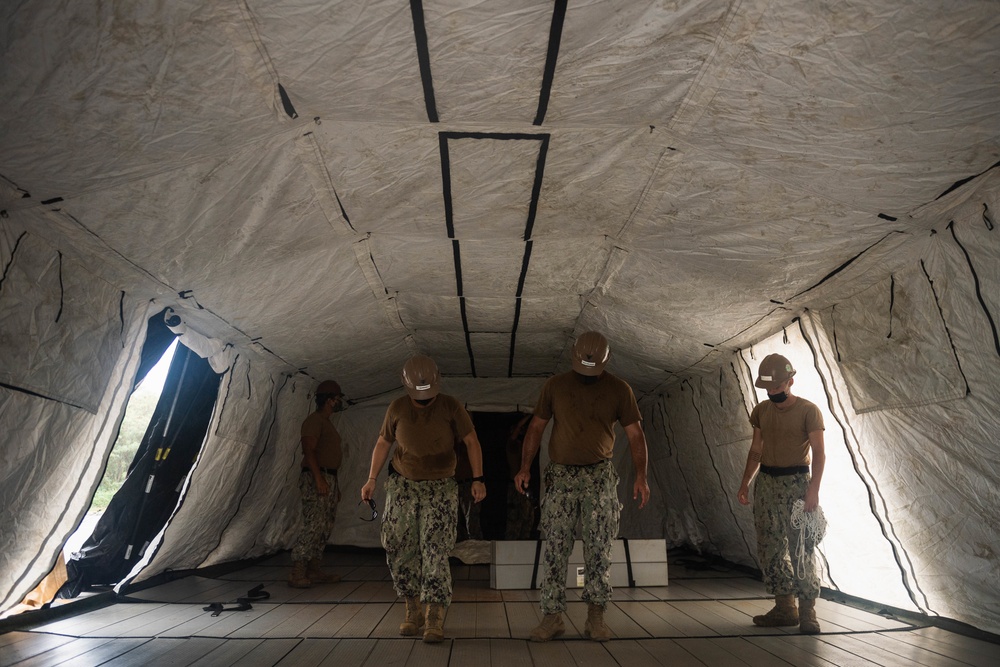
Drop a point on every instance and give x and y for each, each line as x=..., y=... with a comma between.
x=585, y=415
x=426, y=437
x=328, y=448
x=786, y=432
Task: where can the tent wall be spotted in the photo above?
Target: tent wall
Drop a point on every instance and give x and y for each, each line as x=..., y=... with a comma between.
x=71, y=345
x=913, y=466
x=902, y=355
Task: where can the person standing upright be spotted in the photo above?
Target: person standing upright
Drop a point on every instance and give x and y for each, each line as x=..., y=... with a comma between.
x=581, y=483
x=321, y=456
x=787, y=439
x=421, y=496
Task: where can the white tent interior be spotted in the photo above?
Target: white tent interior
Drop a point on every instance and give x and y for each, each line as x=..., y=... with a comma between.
x=322, y=189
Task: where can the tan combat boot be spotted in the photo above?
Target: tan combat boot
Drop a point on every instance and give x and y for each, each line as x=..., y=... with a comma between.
x=551, y=626
x=414, y=618
x=298, y=577
x=783, y=614
x=808, y=625
x=595, y=628
x=434, y=632
x=316, y=575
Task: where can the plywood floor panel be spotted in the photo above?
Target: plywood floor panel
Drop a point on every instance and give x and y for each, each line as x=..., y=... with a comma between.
x=307, y=653
x=87, y=651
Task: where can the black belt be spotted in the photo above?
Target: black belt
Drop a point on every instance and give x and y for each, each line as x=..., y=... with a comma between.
x=328, y=471
x=584, y=465
x=774, y=471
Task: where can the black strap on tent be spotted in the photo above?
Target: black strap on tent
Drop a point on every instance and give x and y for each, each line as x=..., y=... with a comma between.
x=242, y=603
x=534, y=570
x=256, y=593
x=217, y=607
x=628, y=564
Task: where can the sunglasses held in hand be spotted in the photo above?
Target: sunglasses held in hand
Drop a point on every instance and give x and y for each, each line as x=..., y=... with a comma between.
x=367, y=511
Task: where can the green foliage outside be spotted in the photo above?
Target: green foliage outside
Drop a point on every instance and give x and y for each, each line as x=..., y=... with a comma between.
x=137, y=415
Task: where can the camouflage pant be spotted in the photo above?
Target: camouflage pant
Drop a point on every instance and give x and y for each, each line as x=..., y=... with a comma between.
x=589, y=495
x=318, y=513
x=418, y=533
x=772, y=513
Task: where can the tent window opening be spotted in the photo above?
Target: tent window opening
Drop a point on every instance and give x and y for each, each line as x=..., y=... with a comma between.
x=141, y=504
x=138, y=414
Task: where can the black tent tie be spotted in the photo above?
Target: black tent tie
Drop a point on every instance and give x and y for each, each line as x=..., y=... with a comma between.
x=242, y=603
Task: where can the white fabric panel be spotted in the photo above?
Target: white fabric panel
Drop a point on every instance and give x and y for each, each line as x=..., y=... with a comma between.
x=708, y=490
x=123, y=90
x=937, y=464
x=800, y=78
x=895, y=321
x=59, y=323
x=267, y=517
x=57, y=451
x=339, y=59
x=683, y=525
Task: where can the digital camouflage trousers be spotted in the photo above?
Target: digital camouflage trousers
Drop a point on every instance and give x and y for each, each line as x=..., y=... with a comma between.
x=418, y=533
x=777, y=540
x=578, y=494
x=318, y=513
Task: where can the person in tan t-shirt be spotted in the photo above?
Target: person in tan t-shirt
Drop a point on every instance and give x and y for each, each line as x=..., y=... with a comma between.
x=421, y=495
x=787, y=448
x=581, y=484
x=321, y=456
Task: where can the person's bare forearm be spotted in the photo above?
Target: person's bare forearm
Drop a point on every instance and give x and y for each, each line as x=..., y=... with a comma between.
x=532, y=443
x=753, y=465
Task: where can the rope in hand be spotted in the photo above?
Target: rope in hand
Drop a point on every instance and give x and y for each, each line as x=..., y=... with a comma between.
x=811, y=526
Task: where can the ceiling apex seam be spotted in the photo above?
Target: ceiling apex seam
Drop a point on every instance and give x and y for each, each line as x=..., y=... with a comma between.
x=322, y=182
x=642, y=196
x=363, y=253
x=740, y=24
x=263, y=58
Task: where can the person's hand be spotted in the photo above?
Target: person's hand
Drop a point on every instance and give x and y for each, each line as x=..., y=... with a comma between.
x=641, y=490
x=743, y=495
x=322, y=486
x=478, y=491
x=521, y=481
x=811, y=499
x=368, y=490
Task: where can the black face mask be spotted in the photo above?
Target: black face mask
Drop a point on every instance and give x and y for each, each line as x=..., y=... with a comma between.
x=424, y=401
x=778, y=398
x=587, y=379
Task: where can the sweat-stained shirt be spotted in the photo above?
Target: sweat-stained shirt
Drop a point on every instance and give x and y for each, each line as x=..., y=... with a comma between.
x=585, y=415
x=329, y=453
x=786, y=432
x=426, y=436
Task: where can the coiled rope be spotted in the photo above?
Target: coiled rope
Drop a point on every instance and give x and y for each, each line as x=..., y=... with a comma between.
x=811, y=526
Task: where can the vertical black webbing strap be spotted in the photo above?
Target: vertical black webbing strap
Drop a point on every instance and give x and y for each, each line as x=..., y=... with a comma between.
x=534, y=571
x=628, y=564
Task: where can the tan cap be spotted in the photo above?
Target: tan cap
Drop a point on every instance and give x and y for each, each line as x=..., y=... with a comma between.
x=590, y=353
x=329, y=387
x=421, y=378
x=774, y=371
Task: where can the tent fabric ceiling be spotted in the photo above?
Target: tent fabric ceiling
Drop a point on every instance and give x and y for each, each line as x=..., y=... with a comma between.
x=480, y=183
